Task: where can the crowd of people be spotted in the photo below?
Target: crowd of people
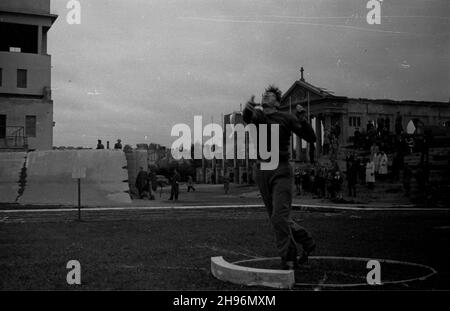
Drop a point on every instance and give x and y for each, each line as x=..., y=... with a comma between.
x=373, y=146
x=382, y=160
x=329, y=182
x=147, y=182
x=325, y=182
x=331, y=141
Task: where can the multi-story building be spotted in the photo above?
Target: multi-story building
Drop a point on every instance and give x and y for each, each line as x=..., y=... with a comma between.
x=26, y=106
x=327, y=110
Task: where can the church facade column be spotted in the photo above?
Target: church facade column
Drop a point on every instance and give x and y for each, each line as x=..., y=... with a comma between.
x=319, y=136
x=344, y=129
x=298, y=148
x=327, y=122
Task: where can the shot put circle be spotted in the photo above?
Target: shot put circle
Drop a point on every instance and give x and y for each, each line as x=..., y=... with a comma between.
x=345, y=272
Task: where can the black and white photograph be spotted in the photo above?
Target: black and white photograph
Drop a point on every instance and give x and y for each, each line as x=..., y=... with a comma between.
x=225, y=151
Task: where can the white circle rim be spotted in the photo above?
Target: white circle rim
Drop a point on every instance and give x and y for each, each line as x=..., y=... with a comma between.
x=421, y=278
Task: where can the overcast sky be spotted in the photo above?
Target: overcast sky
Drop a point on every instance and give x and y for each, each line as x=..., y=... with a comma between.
x=134, y=68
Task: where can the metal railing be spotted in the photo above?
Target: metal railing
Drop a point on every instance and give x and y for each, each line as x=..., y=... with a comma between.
x=15, y=138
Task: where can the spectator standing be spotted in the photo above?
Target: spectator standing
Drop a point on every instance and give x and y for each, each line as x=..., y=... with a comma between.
x=377, y=162
x=349, y=159
x=330, y=185
x=362, y=171
x=118, y=144
x=337, y=130
x=152, y=182
x=305, y=180
x=337, y=184
x=226, y=184
x=352, y=173
x=321, y=182
x=374, y=149
x=141, y=182
x=383, y=169
x=370, y=174
x=100, y=145
x=190, y=184
x=174, y=191
x=312, y=181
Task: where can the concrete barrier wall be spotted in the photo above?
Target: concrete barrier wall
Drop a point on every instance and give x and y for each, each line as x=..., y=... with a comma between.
x=11, y=164
x=49, y=178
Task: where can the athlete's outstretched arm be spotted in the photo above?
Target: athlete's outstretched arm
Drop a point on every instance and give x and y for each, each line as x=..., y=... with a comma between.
x=251, y=114
x=302, y=128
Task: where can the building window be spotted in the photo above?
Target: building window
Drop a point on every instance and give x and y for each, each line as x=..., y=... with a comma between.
x=30, y=126
x=354, y=121
x=18, y=37
x=21, y=78
x=2, y=126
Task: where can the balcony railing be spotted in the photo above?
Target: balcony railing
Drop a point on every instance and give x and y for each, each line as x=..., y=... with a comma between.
x=15, y=138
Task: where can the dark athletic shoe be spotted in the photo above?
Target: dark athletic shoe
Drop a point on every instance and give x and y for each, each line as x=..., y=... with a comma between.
x=306, y=252
x=290, y=261
x=288, y=265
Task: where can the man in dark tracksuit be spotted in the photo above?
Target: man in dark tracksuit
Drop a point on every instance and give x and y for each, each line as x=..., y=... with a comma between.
x=175, y=186
x=276, y=185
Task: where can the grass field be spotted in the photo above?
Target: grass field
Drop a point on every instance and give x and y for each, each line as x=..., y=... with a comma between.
x=171, y=249
x=165, y=250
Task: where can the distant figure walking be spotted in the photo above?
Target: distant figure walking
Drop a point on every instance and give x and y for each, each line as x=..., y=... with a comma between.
x=118, y=145
x=352, y=176
x=337, y=184
x=175, y=186
x=141, y=182
x=226, y=184
x=190, y=184
x=370, y=174
x=100, y=145
x=383, y=168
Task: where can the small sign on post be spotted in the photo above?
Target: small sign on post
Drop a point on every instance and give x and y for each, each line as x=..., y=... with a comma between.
x=79, y=173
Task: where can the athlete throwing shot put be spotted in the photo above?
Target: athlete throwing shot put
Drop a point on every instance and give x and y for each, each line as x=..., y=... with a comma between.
x=276, y=185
